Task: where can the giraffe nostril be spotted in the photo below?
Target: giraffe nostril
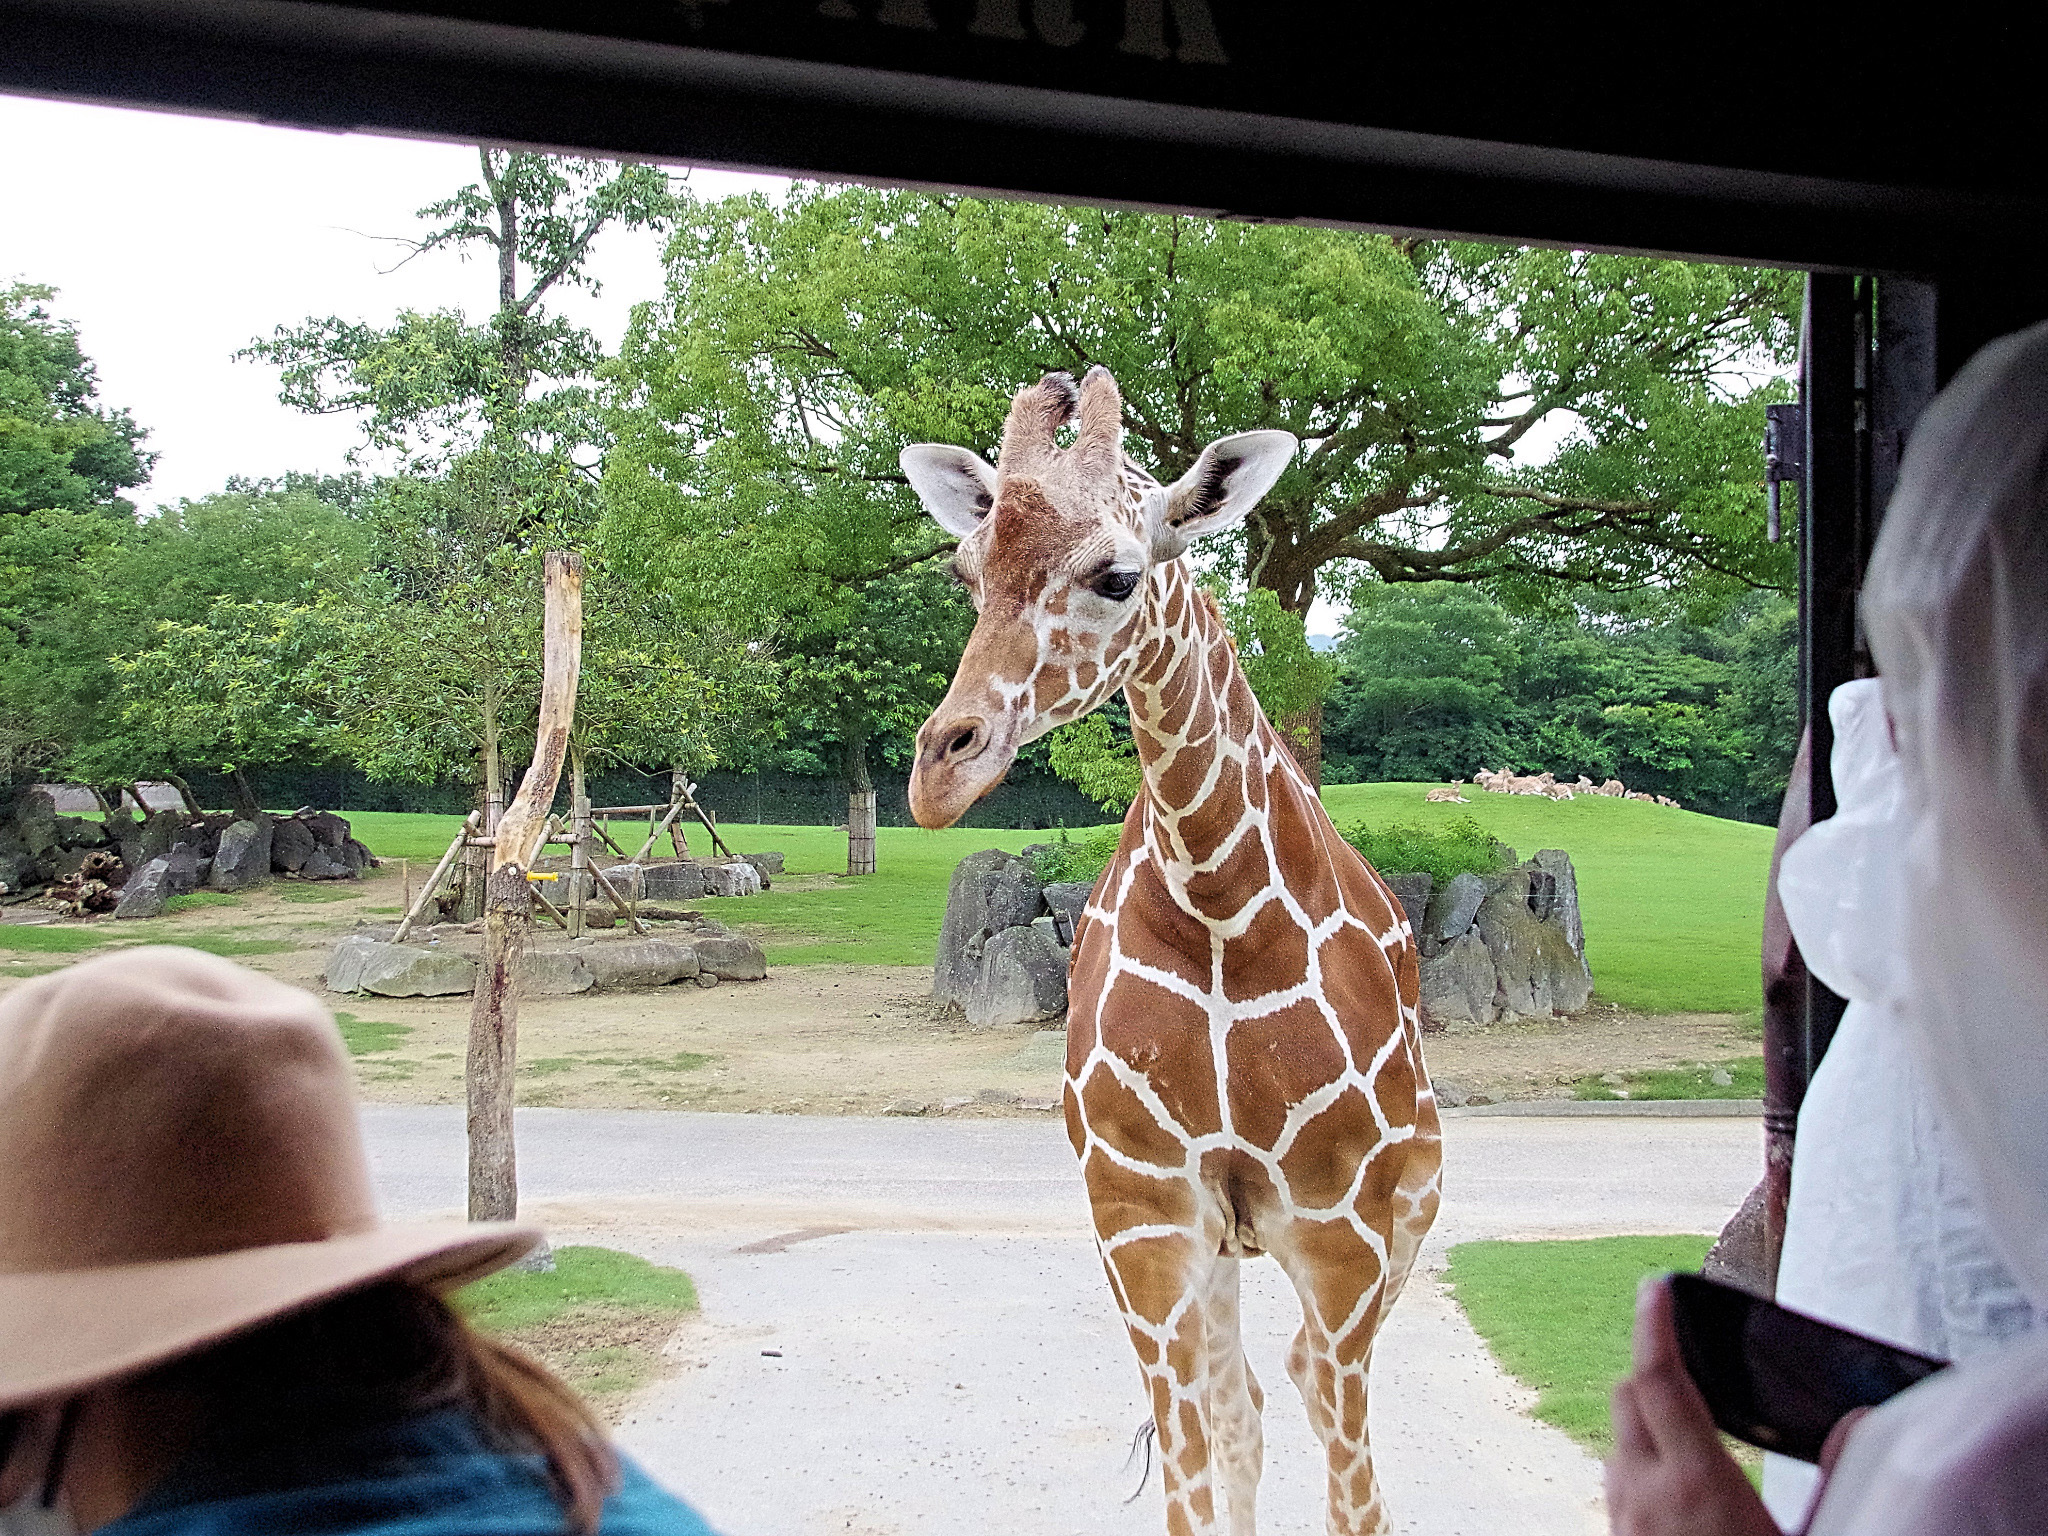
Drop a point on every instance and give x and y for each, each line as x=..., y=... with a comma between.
x=966, y=740
x=960, y=744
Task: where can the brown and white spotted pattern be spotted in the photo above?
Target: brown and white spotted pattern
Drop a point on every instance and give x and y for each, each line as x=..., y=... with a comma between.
x=1244, y=1065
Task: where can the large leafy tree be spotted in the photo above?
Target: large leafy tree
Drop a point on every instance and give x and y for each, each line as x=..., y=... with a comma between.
x=60, y=449
x=801, y=343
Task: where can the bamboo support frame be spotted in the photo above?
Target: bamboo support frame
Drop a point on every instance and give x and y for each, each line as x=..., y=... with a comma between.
x=434, y=881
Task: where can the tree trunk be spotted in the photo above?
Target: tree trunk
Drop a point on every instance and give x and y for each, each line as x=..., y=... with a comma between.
x=678, y=786
x=247, y=806
x=494, y=1048
x=860, y=807
x=1303, y=733
x=494, y=1010
x=579, y=846
x=184, y=793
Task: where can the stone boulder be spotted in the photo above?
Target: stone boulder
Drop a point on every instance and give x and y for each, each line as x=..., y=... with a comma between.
x=360, y=964
x=160, y=832
x=991, y=892
x=653, y=962
x=551, y=973
x=1067, y=900
x=730, y=957
x=767, y=865
x=77, y=832
x=1540, y=973
x=673, y=882
x=1460, y=985
x=734, y=877
x=182, y=872
x=320, y=863
x=1741, y=1254
x=1455, y=907
x=291, y=844
x=146, y=891
x=1564, y=897
x=1412, y=892
x=1023, y=976
x=243, y=857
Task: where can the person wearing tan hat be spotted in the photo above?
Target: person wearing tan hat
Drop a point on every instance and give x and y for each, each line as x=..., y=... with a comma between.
x=204, y=1326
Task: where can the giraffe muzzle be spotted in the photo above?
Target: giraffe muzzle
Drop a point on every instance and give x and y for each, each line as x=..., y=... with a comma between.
x=955, y=767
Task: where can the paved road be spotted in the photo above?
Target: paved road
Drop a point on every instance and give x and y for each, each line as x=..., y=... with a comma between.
x=948, y=1357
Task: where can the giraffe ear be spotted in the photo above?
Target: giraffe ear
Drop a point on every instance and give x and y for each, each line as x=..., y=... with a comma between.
x=1218, y=493
x=957, y=486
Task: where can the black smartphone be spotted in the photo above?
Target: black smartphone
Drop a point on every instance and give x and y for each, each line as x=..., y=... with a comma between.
x=1777, y=1378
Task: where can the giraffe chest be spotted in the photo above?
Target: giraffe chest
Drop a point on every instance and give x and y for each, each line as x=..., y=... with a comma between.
x=1227, y=1023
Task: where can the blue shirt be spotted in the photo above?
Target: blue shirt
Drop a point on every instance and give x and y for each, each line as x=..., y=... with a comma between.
x=434, y=1475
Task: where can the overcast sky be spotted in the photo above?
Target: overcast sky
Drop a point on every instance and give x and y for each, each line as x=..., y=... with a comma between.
x=173, y=241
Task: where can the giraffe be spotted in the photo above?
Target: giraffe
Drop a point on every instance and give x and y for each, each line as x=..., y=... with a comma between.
x=1244, y=1071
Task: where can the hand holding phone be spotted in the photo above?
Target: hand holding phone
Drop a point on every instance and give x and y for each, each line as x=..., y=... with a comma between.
x=1777, y=1378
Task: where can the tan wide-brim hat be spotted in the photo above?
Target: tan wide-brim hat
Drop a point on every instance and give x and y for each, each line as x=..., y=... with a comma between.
x=180, y=1160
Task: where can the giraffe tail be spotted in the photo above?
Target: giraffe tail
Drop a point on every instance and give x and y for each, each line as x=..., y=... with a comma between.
x=1142, y=1441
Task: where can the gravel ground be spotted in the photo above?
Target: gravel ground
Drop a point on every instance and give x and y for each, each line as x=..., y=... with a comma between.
x=945, y=1353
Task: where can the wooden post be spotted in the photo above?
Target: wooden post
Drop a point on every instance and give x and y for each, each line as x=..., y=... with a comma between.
x=579, y=846
x=860, y=833
x=508, y=904
x=678, y=792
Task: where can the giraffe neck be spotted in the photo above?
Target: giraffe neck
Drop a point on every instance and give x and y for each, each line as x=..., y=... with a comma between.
x=1216, y=773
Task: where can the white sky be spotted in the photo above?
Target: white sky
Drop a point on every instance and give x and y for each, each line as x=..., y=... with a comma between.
x=174, y=241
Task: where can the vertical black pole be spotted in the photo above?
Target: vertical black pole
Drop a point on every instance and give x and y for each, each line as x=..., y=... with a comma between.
x=1833, y=524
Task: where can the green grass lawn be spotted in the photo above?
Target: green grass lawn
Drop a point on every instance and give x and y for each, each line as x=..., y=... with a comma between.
x=1557, y=1315
x=599, y=1317
x=1674, y=900
x=1745, y=1076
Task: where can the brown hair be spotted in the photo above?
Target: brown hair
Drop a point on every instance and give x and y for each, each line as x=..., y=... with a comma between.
x=386, y=1352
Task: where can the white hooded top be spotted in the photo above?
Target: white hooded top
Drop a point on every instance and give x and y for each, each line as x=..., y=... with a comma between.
x=1956, y=608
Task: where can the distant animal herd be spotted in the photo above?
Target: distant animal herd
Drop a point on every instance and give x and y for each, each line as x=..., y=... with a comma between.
x=1507, y=782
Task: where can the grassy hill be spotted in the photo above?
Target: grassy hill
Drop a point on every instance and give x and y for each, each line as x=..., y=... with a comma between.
x=1673, y=900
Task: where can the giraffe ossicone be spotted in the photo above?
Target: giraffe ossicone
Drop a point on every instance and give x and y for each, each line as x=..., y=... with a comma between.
x=1244, y=1058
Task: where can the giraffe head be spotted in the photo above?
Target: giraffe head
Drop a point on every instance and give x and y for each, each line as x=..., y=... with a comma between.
x=1059, y=548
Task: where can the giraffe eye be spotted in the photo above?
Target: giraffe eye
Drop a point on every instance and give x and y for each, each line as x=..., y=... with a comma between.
x=1116, y=585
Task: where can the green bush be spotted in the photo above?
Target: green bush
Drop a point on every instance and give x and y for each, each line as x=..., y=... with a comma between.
x=1460, y=846
x=1081, y=858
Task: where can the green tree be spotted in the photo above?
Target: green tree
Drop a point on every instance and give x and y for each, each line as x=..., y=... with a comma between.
x=800, y=344
x=60, y=449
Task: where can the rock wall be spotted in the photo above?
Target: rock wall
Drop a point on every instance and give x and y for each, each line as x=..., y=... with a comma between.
x=1499, y=947
x=1496, y=947
x=1001, y=958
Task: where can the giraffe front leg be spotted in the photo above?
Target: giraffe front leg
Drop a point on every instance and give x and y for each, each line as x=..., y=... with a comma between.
x=1160, y=1286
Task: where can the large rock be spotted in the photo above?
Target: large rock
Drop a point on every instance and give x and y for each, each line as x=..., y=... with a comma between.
x=35, y=823
x=1023, y=976
x=673, y=882
x=398, y=970
x=730, y=957
x=554, y=973
x=182, y=872
x=639, y=962
x=320, y=863
x=1412, y=891
x=291, y=844
x=1564, y=898
x=1455, y=906
x=734, y=877
x=629, y=880
x=77, y=832
x=243, y=857
x=1459, y=985
x=991, y=891
x=768, y=864
x=1540, y=973
x=357, y=856
x=160, y=832
x=328, y=829
x=146, y=891
x=1067, y=900
x=17, y=871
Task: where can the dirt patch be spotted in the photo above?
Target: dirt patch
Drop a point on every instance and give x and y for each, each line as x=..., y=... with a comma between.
x=605, y=1353
x=1542, y=1060
x=813, y=1039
